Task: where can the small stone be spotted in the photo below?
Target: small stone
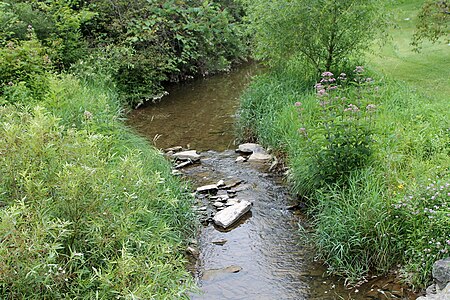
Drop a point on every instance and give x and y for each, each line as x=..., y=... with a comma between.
x=259, y=157
x=220, y=183
x=187, y=155
x=207, y=189
x=173, y=149
x=431, y=289
x=240, y=159
x=202, y=208
x=221, y=198
x=183, y=164
x=209, y=274
x=218, y=204
x=233, y=184
x=192, y=251
x=250, y=148
x=232, y=202
x=176, y=173
x=219, y=242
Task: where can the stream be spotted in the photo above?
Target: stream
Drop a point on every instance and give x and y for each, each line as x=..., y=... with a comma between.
x=262, y=256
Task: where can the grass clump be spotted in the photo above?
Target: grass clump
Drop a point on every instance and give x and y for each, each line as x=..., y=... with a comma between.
x=89, y=210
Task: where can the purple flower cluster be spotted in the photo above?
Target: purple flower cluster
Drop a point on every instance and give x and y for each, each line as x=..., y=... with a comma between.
x=351, y=108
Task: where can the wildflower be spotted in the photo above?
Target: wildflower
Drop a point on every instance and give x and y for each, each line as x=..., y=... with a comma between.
x=371, y=107
x=352, y=108
x=400, y=186
x=327, y=74
x=333, y=87
x=302, y=131
x=342, y=76
x=318, y=86
x=359, y=69
x=321, y=93
x=88, y=115
x=298, y=104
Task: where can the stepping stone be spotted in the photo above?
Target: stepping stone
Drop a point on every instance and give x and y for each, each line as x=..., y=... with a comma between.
x=227, y=217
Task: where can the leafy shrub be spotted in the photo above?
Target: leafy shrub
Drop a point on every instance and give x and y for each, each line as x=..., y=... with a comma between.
x=339, y=140
x=55, y=23
x=324, y=33
x=96, y=211
x=164, y=41
x=24, y=70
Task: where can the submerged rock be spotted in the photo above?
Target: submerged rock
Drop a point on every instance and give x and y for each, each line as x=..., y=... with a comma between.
x=227, y=217
x=209, y=274
x=219, y=242
x=187, y=155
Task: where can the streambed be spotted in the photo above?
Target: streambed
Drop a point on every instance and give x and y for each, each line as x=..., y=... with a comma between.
x=262, y=256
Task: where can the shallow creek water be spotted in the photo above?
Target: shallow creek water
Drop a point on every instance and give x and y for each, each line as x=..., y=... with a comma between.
x=262, y=256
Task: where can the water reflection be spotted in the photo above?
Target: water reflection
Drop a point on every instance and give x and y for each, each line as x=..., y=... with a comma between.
x=199, y=114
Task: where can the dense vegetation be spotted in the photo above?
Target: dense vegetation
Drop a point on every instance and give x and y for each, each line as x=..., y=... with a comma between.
x=88, y=210
x=141, y=44
x=368, y=147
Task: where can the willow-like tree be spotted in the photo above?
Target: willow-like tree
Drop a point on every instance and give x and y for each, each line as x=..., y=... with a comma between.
x=433, y=23
x=324, y=32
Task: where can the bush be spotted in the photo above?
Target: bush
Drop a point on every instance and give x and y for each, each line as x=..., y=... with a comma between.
x=337, y=138
x=96, y=211
x=24, y=70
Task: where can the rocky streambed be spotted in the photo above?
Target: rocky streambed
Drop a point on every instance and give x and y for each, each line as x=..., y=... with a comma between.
x=258, y=254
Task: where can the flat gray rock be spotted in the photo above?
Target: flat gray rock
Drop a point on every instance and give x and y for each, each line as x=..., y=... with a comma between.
x=257, y=156
x=231, y=214
x=174, y=149
x=441, y=272
x=207, y=188
x=187, y=155
x=183, y=164
x=440, y=295
x=250, y=148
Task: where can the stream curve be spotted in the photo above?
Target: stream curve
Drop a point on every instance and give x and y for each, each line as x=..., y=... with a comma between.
x=262, y=256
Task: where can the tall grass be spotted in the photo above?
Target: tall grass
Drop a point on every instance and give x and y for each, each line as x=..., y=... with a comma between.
x=89, y=210
x=359, y=229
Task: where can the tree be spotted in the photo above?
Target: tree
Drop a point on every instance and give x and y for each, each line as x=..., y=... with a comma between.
x=433, y=23
x=323, y=32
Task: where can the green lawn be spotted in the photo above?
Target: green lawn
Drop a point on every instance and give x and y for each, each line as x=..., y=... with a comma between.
x=428, y=70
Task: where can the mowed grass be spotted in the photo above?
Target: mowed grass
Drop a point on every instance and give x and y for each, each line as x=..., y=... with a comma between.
x=428, y=70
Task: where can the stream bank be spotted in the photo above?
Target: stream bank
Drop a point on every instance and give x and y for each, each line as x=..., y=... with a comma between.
x=261, y=257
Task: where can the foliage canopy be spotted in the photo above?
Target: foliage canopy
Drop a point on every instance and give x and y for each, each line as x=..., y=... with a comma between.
x=324, y=32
